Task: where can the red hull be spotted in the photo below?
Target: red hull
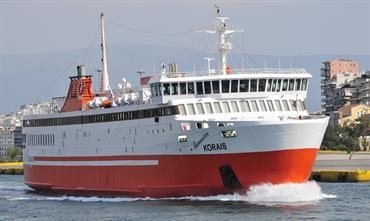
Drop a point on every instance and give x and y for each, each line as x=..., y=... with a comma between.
x=174, y=176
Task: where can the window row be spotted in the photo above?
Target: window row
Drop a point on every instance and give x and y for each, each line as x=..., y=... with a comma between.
x=228, y=86
x=241, y=106
x=41, y=140
x=98, y=118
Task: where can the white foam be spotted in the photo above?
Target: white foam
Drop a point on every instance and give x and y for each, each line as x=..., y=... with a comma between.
x=274, y=195
x=291, y=194
x=14, y=187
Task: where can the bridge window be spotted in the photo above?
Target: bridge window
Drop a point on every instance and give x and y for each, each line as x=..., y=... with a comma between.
x=244, y=85
x=262, y=105
x=217, y=107
x=159, y=85
x=216, y=87
x=268, y=86
x=166, y=89
x=208, y=108
x=225, y=86
x=278, y=84
x=191, y=109
x=244, y=105
x=254, y=106
x=226, y=107
x=207, y=87
x=190, y=87
x=234, y=86
x=291, y=85
x=261, y=85
x=298, y=84
x=285, y=85
x=175, y=88
x=304, y=84
x=199, y=87
x=182, y=88
x=253, y=85
x=273, y=86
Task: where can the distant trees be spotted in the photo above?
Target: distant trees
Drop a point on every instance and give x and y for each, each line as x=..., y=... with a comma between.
x=349, y=137
x=12, y=154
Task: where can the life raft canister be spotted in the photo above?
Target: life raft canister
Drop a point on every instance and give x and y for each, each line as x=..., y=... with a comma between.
x=228, y=70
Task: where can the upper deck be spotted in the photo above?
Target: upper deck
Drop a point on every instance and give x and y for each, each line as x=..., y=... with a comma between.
x=248, y=83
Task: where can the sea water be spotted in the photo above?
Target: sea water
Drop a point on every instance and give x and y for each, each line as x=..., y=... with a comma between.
x=308, y=201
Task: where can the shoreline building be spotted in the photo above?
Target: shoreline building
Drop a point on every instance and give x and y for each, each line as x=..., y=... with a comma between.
x=10, y=132
x=337, y=83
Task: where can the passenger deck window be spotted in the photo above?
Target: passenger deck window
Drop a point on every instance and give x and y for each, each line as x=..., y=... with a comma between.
x=262, y=105
x=261, y=85
x=304, y=105
x=182, y=88
x=182, y=109
x=217, y=107
x=190, y=87
x=225, y=86
x=226, y=107
x=191, y=109
x=216, y=87
x=234, y=86
x=270, y=105
x=234, y=106
x=254, y=106
x=208, y=108
x=285, y=105
x=244, y=85
x=293, y=104
x=200, y=108
x=207, y=87
x=278, y=105
x=244, y=105
x=253, y=85
x=299, y=106
x=199, y=87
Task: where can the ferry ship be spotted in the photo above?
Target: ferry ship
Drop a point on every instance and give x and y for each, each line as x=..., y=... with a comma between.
x=181, y=134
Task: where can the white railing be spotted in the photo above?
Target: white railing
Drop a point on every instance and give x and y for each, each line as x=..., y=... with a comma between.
x=239, y=71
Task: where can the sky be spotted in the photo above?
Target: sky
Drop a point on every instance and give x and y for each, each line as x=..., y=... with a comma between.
x=34, y=32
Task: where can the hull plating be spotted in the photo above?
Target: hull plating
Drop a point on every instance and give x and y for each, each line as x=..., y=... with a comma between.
x=166, y=176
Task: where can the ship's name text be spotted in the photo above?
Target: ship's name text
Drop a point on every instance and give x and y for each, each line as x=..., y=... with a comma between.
x=214, y=147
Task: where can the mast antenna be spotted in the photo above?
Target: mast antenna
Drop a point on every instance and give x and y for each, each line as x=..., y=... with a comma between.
x=224, y=39
x=104, y=78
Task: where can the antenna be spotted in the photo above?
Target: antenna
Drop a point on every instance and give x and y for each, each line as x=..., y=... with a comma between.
x=224, y=39
x=104, y=79
x=209, y=65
